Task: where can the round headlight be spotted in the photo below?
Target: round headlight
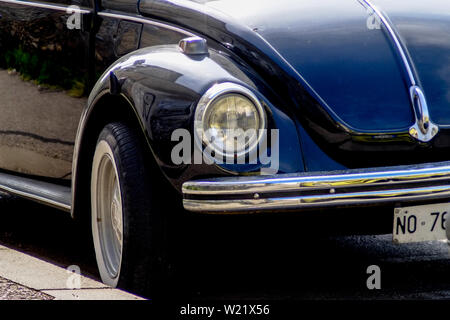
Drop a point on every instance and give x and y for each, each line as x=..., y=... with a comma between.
x=229, y=119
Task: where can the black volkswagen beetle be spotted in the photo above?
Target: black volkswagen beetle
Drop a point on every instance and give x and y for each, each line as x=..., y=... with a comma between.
x=251, y=106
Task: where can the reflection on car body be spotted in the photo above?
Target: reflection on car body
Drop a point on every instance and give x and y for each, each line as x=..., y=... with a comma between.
x=345, y=102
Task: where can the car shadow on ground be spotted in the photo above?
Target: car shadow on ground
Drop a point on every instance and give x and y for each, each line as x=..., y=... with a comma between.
x=258, y=259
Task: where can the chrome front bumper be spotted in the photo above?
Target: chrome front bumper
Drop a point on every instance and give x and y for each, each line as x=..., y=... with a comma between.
x=319, y=190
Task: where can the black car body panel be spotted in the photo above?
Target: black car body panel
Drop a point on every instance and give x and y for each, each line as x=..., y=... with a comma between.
x=340, y=77
x=38, y=122
x=330, y=79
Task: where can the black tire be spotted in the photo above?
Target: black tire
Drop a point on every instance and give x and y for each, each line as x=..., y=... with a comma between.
x=142, y=264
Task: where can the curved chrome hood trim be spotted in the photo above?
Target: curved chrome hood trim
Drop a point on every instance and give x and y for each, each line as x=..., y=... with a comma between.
x=423, y=129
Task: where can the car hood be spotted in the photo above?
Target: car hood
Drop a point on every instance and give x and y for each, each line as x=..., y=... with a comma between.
x=341, y=51
x=338, y=68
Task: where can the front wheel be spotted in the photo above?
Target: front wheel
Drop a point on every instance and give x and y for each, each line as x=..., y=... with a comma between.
x=126, y=218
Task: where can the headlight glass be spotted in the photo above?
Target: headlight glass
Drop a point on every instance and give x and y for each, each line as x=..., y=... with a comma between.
x=229, y=119
x=231, y=123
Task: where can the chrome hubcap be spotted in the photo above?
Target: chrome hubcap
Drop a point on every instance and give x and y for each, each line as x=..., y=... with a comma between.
x=109, y=219
x=116, y=213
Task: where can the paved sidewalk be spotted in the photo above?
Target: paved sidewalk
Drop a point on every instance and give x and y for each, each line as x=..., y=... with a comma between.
x=12, y=291
x=25, y=277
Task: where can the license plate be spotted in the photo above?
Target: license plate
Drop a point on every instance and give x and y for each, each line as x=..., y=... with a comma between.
x=420, y=223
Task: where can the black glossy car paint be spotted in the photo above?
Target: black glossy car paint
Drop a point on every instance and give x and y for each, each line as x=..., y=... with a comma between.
x=334, y=88
x=343, y=80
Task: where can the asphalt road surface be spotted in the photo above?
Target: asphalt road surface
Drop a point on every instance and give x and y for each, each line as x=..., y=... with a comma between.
x=263, y=263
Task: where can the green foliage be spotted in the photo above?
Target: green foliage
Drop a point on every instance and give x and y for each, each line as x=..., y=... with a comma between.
x=44, y=71
x=77, y=90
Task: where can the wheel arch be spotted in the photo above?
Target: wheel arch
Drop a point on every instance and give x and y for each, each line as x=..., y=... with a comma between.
x=104, y=109
x=156, y=90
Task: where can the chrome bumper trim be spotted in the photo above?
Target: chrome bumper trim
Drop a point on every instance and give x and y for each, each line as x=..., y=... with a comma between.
x=303, y=191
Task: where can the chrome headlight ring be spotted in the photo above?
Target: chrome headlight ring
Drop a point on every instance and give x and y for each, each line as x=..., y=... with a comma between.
x=209, y=101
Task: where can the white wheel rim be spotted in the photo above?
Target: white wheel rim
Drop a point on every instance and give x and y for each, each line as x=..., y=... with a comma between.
x=107, y=216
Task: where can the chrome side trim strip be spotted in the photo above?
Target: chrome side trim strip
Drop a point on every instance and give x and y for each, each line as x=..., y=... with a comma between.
x=144, y=20
x=423, y=129
x=300, y=191
x=43, y=192
x=47, y=6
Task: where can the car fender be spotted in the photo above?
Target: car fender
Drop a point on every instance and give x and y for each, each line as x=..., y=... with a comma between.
x=162, y=86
